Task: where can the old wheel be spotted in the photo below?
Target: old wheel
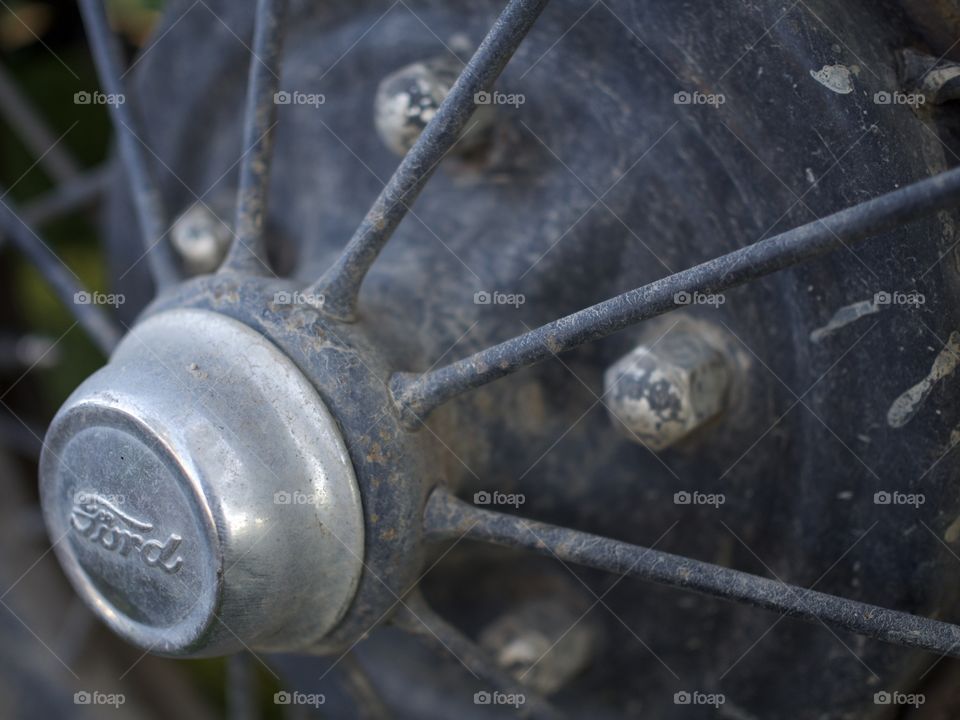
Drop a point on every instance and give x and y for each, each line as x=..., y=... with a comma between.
x=282, y=455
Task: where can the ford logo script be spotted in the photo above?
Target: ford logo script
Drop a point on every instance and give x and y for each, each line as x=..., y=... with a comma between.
x=101, y=522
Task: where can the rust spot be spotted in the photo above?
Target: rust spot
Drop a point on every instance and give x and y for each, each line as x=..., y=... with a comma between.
x=375, y=454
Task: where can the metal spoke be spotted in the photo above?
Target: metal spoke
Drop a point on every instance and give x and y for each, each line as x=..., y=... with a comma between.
x=360, y=687
x=417, y=395
x=75, y=194
x=34, y=132
x=446, y=517
x=146, y=196
x=248, y=253
x=242, y=688
x=417, y=618
x=340, y=284
x=91, y=317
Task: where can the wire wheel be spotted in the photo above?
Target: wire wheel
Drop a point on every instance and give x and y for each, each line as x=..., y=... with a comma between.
x=282, y=453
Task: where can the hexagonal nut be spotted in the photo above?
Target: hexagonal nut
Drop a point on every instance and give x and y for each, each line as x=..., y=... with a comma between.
x=542, y=642
x=201, y=239
x=408, y=99
x=661, y=393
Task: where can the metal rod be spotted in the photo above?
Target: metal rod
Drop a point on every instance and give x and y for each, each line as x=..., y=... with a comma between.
x=248, y=252
x=108, y=56
x=446, y=517
x=91, y=317
x=242, y=688
x=19, y=113
x=362, y=690
x=417, y=618
x=74, y=194
x=78, y=193
x=340, y=284
x=416, y=395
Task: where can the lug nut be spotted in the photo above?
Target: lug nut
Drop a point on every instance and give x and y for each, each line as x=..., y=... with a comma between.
x=28, y=351
x=201, y=239
x=408, y=99
x=664, y=391
x=543, y=643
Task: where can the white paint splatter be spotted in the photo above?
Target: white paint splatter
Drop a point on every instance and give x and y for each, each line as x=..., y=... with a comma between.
x=837, y=78
x=906, y=406
x=843, y=317
x=952, y=533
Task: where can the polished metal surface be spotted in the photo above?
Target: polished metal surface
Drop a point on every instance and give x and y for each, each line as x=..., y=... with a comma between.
x=200, y=495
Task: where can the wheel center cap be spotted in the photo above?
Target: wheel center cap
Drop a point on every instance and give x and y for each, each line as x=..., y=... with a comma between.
x=200, y=495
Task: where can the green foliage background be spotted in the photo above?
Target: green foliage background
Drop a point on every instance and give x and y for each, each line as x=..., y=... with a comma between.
x=40, y=41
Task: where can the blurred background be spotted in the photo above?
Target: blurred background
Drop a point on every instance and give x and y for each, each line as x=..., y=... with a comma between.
x=51, y=647
x=56, y=153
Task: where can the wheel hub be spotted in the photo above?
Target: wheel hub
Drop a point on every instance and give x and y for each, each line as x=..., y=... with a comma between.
x=202, y=493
